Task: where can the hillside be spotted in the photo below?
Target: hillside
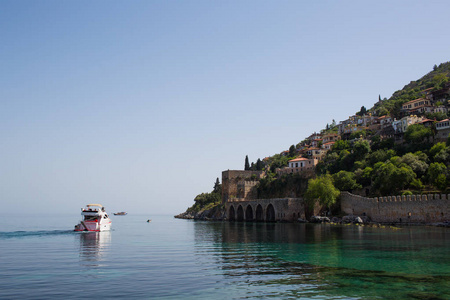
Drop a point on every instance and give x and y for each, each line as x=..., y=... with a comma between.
x=413, y=90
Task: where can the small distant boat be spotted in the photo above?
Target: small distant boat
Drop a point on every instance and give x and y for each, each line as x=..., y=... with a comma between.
x=95, y=218
x=149, y=220
x=122, y=213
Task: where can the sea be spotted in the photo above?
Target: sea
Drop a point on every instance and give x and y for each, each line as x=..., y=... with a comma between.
x=41, y=257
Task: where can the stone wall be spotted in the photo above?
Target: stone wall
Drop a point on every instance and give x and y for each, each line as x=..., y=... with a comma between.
x=247, y=189
x=231, y=179
x=414, y=209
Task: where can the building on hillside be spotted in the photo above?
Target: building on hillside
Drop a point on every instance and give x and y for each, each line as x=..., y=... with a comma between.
x=316, y=153
x=442, y=95
x=408, y=121
x=328, y=146
x=385, y=121
x=316, y=142
x=366, y=120
x=330, y=137
x=375, y=125
x=346, y=123
x=314, y=136
x=427, y=123
x=400, y=126
x=440, y=109
x=443, y=130
x=428, y=93
x=300, y=165
x=420, y=105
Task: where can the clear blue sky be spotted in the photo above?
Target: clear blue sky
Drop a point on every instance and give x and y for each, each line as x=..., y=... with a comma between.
x=140, y=105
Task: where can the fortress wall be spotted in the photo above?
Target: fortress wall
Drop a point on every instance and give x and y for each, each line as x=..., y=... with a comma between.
x=230, y=180
x=414, y=208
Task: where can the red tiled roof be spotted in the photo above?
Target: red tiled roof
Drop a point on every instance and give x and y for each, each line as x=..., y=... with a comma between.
x=412, y=101
x=425, y=121
x=298, y=159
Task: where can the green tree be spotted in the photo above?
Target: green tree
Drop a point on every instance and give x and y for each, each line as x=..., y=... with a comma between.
x=292, y=151
x=217, y=187
x=441, y=182
x=434, y=172
x=436, y=149
x=417, y=134
x=362, y=111
x=363, y=176
x=388, y=178
x=259, y=165
x=247, y=164
x=340, y=145
x=321, y=188
x=345, y=181
x=439, y=80
x=358, y=134
x=415, y=163
x=361, y=148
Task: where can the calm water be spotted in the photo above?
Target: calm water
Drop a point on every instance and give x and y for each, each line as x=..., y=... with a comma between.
x=173, y=259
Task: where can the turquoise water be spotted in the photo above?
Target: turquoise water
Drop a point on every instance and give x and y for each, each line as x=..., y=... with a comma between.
x=171, y=259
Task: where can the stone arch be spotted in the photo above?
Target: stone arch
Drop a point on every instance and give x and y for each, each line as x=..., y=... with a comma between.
x=231, y=213
x=259, y=213
x=240, y=213
x=270, y=213
x=249, y=213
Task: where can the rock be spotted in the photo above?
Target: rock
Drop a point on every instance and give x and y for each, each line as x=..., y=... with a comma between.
x=336, y=220
x=358, y=220
x=348, y=219
x=318, y=219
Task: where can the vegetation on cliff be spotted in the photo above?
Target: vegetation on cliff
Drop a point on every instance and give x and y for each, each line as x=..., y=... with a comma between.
x=368, y=162
x=434, y=79
x=206, y=205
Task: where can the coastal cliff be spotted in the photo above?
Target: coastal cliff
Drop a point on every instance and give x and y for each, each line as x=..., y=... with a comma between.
x=214, y=213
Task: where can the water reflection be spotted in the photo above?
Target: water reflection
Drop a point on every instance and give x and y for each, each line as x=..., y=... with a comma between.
x=93, y=246
x=307, y=260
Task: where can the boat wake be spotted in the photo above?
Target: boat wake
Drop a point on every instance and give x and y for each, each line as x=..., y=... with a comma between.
x=22, y=234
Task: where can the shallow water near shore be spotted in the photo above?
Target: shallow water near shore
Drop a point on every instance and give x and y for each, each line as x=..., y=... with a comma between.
x=171, y=259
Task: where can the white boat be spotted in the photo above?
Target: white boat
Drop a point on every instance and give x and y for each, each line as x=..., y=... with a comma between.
x=95, y=218
x=122, y=213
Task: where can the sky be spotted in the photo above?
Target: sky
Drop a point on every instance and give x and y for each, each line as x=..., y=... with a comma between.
x=140, y=105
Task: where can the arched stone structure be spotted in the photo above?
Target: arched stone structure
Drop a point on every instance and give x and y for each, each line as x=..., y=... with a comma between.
x=231, y=213
x=270, y=213
x=266, y=210
x=240, y=213
x=249, y=213
x=259, y=213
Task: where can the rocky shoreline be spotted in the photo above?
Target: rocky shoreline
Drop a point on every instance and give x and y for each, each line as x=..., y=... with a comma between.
x=218, y=214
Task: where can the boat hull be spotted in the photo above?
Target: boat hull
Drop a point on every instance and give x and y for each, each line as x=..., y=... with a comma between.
x=93, y=226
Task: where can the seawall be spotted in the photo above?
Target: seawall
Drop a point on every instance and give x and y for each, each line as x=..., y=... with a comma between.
x=404, y=209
